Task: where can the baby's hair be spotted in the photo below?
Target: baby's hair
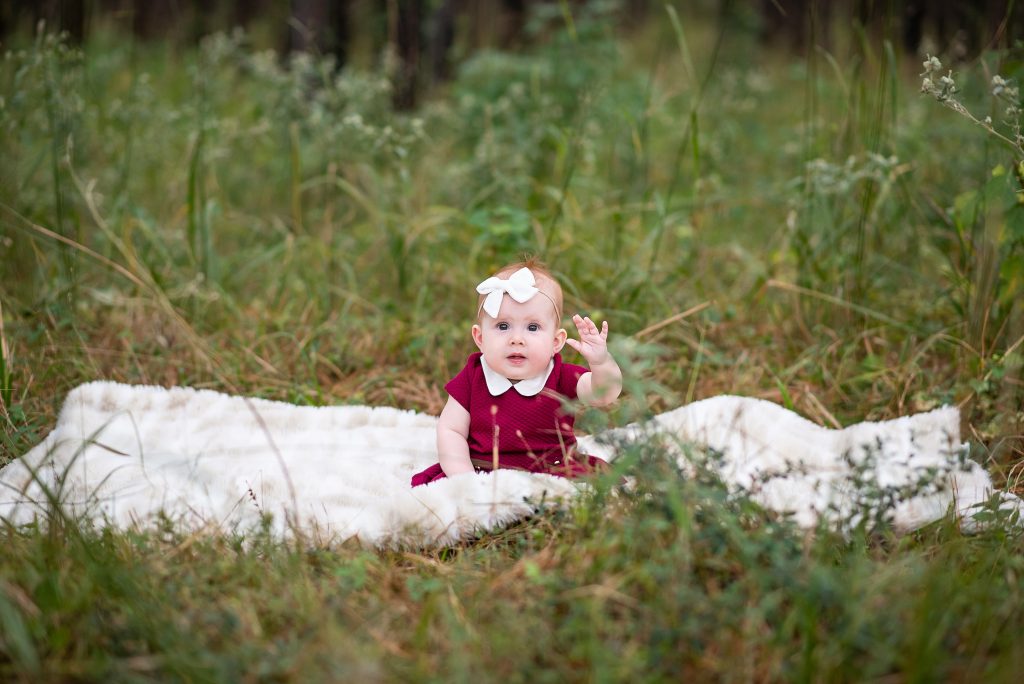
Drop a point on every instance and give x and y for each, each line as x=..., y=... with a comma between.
x=546, y=283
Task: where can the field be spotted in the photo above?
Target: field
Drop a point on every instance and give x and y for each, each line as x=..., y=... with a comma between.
x=810, y=229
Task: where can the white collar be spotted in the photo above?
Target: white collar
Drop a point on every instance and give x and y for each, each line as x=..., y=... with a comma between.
x=498, y=384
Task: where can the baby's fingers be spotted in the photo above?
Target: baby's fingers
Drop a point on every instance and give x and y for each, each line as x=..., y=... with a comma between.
x=584, y=325
x=601, y=332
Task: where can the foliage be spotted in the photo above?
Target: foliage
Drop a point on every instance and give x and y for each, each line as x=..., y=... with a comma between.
x=988, y=223
x=674, y=579
x=808, y=231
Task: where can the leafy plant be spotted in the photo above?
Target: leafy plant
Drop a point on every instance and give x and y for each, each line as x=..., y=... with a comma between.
x=988, y=254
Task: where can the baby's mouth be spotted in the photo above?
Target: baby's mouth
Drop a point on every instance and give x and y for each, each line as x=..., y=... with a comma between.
x=515, y=358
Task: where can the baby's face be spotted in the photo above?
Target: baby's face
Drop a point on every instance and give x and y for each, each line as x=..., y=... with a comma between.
x=520, y=342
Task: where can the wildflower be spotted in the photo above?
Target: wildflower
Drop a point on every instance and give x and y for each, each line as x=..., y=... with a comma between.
x=988, y=120
x=947, y=81
x=931, y=65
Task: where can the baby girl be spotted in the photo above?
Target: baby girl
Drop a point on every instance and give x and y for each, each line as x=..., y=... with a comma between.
x=507, y=407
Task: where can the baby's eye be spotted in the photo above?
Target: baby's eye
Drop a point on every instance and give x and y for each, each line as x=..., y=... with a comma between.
x=502, y=326
x=533, y=327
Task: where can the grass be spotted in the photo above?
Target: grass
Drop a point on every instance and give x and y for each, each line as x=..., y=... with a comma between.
x=679, y=582
x=846, y=247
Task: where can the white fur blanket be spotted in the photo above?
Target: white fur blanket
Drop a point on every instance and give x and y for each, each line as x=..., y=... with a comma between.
x=126, y=455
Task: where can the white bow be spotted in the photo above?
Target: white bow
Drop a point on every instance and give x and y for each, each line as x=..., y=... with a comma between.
x=519, y=287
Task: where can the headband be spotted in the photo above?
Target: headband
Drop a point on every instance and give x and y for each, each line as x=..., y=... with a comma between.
x=519, y=286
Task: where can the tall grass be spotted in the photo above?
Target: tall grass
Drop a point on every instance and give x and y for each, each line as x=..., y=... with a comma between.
x=807, y=230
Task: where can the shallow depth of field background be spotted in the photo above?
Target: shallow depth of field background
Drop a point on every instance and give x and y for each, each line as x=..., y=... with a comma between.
x=295, y=202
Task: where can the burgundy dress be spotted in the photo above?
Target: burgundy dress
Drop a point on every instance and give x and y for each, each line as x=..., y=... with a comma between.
x=522, y=433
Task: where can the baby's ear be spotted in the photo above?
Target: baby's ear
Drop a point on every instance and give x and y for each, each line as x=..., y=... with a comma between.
x=478, y=336
x=560, y=337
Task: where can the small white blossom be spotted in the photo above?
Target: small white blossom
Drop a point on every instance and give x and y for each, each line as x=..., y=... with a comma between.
x=944, y=90
x=932, y=64
x=1004, y=89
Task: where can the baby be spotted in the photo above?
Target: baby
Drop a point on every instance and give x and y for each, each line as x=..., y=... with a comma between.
x=506, y=407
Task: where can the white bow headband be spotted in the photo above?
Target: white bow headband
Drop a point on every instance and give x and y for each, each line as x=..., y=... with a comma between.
x=519, y=286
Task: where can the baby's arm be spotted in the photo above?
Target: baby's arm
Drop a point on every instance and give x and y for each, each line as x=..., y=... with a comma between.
x=602, y=385
x=452, y=433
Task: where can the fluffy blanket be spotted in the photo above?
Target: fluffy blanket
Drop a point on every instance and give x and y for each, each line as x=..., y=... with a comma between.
x=129, y=455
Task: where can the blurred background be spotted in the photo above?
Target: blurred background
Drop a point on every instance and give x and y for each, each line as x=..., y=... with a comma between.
x=427, y=37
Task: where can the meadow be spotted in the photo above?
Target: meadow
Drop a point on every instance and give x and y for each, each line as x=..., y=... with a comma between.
x=810, y=229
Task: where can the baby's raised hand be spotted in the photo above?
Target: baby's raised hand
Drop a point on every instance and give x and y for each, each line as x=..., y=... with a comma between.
x=593, y=343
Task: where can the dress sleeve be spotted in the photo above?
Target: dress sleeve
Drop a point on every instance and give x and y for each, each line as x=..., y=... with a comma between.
x=569, y=379
x=459, y=388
